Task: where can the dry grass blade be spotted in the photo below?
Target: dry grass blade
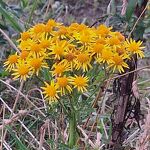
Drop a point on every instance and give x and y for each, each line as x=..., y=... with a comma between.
x=2, y=135
x=6, y=145
x=135, y=89
x=138, y=20
x=144, y=138
x=13, y=118
x=86, y=137
x=32, y=104
x=42, y=133
x=124, y=7
x=28, y=131
x=10, y=41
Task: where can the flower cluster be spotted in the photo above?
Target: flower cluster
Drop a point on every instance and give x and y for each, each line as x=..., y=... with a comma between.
x=69, y=52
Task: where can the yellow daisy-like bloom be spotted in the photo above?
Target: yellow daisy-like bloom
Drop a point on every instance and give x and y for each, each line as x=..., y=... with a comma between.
x=36, y=64
x=36, y=49
x=79, y=82
x=51, y=92
x=121, y=50
x=58, y=49
x=24, y=55
x=75, y=27
x=106, y=56
x=97, y=49
x=45, y=43
x=103, y=30
x=118, y=63
x=113, y=41
x=63, y=32
x=85, y=37
x=38, y=28
x=69, y=58
x=21, y=71
x=120, y=36
x=135, y=47
x=11, y=62
x=25, y=45
x=83, y=61
x=25, y=36
x=100, y=41
x=63, y=85
x=59, y=69
x=50, y=26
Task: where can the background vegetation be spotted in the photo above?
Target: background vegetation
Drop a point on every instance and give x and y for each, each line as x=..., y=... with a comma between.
x=32, y=124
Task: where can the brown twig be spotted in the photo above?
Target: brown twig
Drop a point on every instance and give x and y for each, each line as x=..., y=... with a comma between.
x=127, y=73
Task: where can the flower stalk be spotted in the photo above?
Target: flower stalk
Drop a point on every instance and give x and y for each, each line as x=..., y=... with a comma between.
x=72, y=129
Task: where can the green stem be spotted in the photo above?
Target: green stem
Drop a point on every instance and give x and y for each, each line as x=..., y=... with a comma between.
x=72, y=129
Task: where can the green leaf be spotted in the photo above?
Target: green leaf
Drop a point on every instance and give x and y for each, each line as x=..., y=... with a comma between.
x=24, y=3
x=130, y=9
x=11, y=19
x=139, y=31
x=46, y=74
x=3, y=73
x=3, y=4
x=20, y=145
x=140, y=2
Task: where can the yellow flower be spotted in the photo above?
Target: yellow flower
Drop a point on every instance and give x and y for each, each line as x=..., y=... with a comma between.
x=21, y=71
x=118, y=63
x=63, y=85
x=69, y=58
x=83, y=61
x=79, y=82
x=135, y=47
x=121, y=49
x=11, y=62
x=77, y=27
x=25, y=45
x=45, y=43
x=36, y=64
x=85, y=37
x=63, y=32
x=106, y=56
x=103, y=30
x=58, y=49
x=38, y=28
x=51, y=92
x=25, y=36
x=52, y=23
x=113, y=41
x=120, y=36
x=24, y=55
x=59, y=69
x=100, y=41
x=36, y=49
x=97, y=49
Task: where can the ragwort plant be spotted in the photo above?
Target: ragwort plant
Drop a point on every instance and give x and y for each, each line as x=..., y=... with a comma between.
x=70, y=53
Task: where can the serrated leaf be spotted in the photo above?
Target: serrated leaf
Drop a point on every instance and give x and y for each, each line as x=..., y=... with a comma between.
x=130, y=9
x=9, y=17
